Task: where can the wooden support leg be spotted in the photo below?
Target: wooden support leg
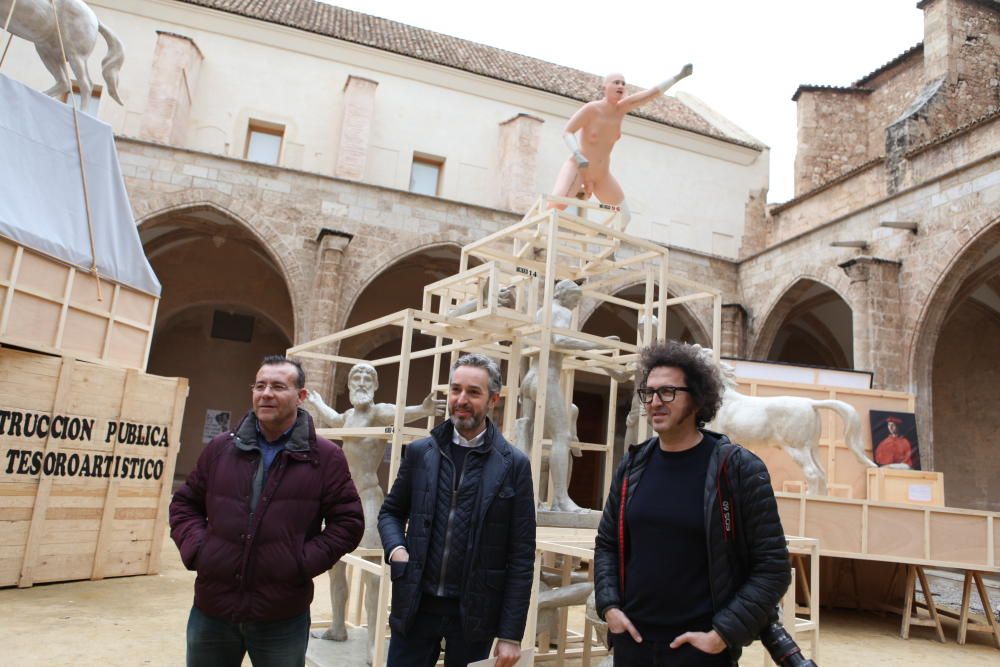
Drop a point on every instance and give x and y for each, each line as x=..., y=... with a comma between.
x=966, y=624
x=908, y=596
x=931, y=607
x=911, y=608
x=799, y=568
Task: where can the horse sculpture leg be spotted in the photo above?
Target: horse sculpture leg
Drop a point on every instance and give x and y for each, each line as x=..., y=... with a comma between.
x=815, y=476
x=54, y=64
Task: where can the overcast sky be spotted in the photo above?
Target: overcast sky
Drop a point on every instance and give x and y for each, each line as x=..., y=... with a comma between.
x=749, y=57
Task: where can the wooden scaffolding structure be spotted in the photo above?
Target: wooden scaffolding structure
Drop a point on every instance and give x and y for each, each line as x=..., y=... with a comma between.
x=472, y=311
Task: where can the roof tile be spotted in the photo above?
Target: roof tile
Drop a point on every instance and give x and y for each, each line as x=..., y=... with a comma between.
x=383, y=34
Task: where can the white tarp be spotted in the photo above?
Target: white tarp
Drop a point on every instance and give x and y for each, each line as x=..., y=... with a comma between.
x=41, y=192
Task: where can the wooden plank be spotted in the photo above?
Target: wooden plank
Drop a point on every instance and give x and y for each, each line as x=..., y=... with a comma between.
x=39, y=511
x=8, y=302
x=111, y=492
x=166, y=481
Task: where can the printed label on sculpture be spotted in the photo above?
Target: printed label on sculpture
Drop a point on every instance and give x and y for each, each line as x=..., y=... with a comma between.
x=86, y=446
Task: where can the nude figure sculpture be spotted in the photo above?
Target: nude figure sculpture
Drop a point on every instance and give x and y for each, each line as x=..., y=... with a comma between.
x=558, y=425
x=364, y=454
x=600, y=126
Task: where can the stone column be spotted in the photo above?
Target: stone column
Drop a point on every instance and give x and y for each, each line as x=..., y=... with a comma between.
x=356, y=127
x=176, y=63
x=517, y=161
x=877, y=319
x=734, y=330
x=943, y=34
x=330, y=247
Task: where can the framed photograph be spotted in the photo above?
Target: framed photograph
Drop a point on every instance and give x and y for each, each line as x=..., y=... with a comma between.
x=894, y=439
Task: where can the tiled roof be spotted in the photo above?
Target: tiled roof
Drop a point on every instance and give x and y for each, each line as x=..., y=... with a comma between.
x=809, y=88
x=916, y=48
x=383, y=34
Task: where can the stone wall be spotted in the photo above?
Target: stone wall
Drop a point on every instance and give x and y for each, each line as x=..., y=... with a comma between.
x=966, y=374
x=292, y=214
x=949, y=82
x=833, y=135
x=951, y=211
x=868, y=186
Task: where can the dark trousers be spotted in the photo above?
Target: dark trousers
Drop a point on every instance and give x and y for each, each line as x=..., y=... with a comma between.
x=421, y=646
x=657, y=653
x=218, y=642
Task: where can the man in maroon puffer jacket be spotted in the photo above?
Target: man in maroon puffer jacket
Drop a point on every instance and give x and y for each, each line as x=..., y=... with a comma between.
x=250, y=520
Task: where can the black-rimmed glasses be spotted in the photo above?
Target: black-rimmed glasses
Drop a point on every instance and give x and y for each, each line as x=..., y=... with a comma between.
x=666, y=393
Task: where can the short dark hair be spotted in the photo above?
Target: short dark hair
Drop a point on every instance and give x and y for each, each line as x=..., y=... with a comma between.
x=279, y=359
x=477, y=360
x=700, y=374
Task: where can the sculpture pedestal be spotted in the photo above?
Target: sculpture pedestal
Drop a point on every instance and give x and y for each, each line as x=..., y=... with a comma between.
x=350, y=653
x=550, y=519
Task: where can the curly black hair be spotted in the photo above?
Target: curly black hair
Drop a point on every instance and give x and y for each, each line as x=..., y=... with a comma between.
x=700, y=373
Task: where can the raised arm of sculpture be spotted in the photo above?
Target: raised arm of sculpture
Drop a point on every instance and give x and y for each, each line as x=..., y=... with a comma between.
x=330, y=416
x=636, y=100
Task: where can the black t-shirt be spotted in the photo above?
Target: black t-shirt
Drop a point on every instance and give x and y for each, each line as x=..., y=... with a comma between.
x=667, y=588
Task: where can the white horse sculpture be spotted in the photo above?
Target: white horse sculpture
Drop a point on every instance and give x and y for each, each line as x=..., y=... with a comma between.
x=35, y=21
x=790, y=422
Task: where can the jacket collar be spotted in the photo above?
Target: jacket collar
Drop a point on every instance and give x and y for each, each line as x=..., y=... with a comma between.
x=301, y=439
x=641, y=451
x=443, y=432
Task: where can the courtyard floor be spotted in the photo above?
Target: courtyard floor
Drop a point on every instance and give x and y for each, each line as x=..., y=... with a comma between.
x=141, y=620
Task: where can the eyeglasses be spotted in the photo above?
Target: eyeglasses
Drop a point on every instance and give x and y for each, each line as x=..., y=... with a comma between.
x=666, y=393
x=275, y=387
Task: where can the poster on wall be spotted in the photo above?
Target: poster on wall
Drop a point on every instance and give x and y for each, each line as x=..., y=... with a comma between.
x=216, y=422
x=894, y=439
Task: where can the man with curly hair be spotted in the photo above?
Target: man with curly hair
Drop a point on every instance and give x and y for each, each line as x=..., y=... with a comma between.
x=690, y=557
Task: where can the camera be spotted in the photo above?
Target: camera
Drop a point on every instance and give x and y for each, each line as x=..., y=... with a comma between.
x=783, y=649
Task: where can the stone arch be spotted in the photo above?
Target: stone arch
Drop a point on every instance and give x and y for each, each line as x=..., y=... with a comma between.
x=690, y=321
x=381, y=257
x=947, y=376
x=240, y=211
x=226, y=303
x=394, y=280
x=783, y=306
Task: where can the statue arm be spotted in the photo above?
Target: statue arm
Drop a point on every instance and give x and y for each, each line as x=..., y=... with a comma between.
x=429, y=407
x=562, y=320
x=331, y=416
x=638, y=99
x=385, y=413
x=574, y=125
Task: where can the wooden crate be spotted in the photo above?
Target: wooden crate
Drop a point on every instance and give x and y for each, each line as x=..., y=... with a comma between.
x=87, y=457
x=895, y=533
x=53, y=307
x=911, y=487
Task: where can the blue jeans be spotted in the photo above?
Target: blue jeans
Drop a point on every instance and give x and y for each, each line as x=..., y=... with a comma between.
x=422, y=644
x=218, y=642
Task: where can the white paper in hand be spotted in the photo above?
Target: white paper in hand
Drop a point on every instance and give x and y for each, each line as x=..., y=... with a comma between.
x=491, y=662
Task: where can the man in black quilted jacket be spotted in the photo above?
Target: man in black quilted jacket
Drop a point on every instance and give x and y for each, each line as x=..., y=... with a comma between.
x=690, y=558
x=458, y=529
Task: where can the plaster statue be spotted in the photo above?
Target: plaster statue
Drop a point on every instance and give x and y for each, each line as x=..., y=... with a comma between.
x=790, y=422
x=364, y=454
x=600, y=126
x=506, y=298
x=636, y=408
x=600, y=628
x=557, y=424
x=35, y=21
x=552, y=599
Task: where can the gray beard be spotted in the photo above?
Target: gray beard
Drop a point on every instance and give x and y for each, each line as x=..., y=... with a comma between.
x=466, y=424
x=360, y=397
